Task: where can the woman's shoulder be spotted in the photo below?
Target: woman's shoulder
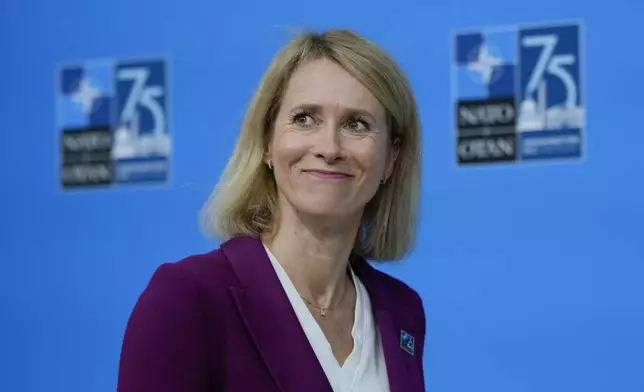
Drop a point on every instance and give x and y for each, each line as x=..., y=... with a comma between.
x=197, y=266
x=210, y=271
x=398, y=290
x=197, y=271
x=174, y=323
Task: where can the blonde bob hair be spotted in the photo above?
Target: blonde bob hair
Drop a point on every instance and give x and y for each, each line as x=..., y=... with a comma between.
x=244, y=201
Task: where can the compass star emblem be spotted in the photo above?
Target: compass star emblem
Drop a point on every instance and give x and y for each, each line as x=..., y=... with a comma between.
x=85, y=95
x=485, y=64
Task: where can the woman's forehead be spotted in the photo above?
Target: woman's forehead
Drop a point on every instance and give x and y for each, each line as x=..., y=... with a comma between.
x=324, y=83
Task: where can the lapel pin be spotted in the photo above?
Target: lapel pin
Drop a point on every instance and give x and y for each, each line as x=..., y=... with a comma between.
x=407, y=342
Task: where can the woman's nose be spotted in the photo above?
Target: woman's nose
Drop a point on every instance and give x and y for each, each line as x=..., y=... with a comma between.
x=329, y=143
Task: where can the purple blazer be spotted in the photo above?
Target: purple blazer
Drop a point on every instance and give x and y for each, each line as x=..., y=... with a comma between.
x=221, y=322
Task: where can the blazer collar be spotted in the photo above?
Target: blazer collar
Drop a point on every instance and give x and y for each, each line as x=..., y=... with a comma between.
x=283, y=345
x=271, y=320
x=384, y=308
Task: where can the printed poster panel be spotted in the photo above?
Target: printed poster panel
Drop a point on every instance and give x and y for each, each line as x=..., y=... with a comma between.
x=519, y=94
x=113, y=123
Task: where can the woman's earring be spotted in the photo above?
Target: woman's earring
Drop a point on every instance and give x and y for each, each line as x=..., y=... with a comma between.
x=270, y=165
x=383, y=181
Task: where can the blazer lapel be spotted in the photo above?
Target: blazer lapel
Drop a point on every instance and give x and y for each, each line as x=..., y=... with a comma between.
x=383, y=309
x=271, y=320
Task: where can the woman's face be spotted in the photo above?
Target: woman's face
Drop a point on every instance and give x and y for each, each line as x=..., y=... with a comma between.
x=330, y=147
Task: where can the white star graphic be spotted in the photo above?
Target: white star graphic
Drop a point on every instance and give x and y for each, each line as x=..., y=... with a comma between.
x=86, y=94
x=485, y=64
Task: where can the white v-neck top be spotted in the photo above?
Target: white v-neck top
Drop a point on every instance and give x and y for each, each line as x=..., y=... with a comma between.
x=365, y=369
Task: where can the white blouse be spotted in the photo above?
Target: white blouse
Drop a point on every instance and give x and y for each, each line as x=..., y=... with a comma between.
x=364, y=370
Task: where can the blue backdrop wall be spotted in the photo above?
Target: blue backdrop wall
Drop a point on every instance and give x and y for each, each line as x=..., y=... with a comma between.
x=531, y=273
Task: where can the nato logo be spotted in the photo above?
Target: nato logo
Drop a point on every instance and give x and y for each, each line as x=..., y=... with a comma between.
x=113, y=123
x=407, y=342
x=518, y=94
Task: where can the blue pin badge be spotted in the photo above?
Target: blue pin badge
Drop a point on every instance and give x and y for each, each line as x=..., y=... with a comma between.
x=407, y=342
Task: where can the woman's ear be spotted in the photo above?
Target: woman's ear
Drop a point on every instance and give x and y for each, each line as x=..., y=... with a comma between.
x=392, y=157
x=268, y=157
x=268, y=161
x=268, y=153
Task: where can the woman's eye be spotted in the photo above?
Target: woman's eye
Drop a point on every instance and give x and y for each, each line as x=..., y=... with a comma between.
x=357, y=126
x=302, y=119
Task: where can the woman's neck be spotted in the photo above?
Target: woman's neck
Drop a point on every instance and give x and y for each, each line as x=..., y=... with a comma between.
x=314, y=256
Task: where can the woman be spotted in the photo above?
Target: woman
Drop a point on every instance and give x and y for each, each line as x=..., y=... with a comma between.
x=325, y=175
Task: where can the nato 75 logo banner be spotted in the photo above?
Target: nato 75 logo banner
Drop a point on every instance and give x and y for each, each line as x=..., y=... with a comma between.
x=518, y=94
x=113, y=123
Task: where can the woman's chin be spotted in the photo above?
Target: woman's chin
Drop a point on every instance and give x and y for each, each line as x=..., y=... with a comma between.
x=324, y=210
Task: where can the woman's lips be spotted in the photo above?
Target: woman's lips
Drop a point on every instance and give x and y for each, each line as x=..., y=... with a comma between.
x=329, y=175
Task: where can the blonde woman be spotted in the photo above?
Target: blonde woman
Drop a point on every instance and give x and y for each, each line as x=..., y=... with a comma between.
x=324, y=176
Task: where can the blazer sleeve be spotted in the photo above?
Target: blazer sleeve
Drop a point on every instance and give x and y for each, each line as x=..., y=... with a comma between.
x=164, y=347
x=423, y=332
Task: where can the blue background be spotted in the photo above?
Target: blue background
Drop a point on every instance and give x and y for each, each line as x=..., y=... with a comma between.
x=531, y=274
